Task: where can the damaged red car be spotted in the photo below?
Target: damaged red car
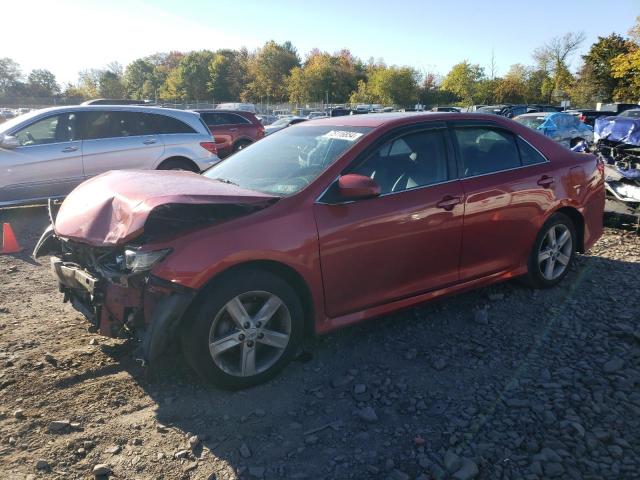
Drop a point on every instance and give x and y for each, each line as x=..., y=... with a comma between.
x=316, y=227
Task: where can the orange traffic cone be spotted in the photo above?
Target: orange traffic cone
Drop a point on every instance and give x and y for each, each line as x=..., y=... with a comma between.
x=9, y=242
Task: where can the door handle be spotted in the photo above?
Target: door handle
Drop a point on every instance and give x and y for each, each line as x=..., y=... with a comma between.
x=233, y=129
x=448, y=202
x=545, y=181
x=70, y=149
x=150, y=141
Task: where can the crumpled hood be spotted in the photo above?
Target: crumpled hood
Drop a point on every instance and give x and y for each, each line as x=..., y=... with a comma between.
x=112, y=208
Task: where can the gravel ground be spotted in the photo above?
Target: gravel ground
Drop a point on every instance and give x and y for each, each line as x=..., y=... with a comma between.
x=500, y=383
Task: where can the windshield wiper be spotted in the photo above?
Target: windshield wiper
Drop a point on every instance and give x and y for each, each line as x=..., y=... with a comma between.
x=226, y=180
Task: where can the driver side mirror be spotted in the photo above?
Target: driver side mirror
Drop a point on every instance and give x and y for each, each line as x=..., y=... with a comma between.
x=9, y=142
x=353, y=186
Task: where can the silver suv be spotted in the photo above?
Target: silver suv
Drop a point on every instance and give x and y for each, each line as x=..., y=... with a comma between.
x=46, y=153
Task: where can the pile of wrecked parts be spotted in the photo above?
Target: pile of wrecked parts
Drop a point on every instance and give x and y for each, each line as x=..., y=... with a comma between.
x=617, y=143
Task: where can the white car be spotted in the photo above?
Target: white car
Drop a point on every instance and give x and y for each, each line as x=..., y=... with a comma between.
x=46, y=153
x=243, y=107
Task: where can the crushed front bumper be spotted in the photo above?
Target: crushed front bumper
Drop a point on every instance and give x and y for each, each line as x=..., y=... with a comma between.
x=150, y=308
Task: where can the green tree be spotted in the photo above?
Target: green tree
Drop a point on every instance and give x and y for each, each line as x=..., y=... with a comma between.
x=10, y=74
x=268, y=69
x=110, y=85
x=597, y=66
x=462, y=80
x=189, y=79
x=227, y=74
x=140, y=79
x=42, y=83
x=89, y=82
x=361, y=94
x=298, y=86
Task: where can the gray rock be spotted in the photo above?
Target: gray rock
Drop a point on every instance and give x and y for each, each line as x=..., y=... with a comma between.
x=113, y=450
x=181, y=454
x=244, y=451
x=440, y=364
x=553, y=469
x=59, y=425
x=194, y=441
x=482, y=316
x=398, y=475
x=367, y=414
x=101, y=469
x=452, y=462
x=257, y=472
x=467, y=471
x=19, y=414
x=42, y=464
x=613, y=365
x=359, y=389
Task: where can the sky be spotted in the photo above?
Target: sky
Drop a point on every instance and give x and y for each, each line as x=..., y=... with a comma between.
x=67, y=36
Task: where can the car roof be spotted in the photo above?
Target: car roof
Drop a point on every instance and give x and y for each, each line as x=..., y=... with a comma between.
x=375, y=120
x=539, y=114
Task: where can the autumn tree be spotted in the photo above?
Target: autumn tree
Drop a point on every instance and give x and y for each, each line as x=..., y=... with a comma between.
x=268, y=70
x=227, y=74
x=625, y=69
x=462, y=80
x=596, y=70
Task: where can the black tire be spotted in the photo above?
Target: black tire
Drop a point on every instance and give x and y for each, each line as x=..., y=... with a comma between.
x=178, y=164
x=195, y=333
x=240, y=145
x=535, y=277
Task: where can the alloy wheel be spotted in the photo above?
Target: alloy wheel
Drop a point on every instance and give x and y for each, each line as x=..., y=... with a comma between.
x=250, y=333
x=555, y=252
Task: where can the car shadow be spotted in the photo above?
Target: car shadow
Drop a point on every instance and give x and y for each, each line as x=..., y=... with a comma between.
x=420, y=367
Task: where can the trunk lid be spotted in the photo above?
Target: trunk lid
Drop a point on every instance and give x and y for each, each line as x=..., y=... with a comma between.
x=112, y=208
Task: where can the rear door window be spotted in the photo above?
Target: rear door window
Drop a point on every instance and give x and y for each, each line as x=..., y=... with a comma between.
x=486, y=150
x=232, y=119
x=110, y=124
x=528, y=154
x=165, y=124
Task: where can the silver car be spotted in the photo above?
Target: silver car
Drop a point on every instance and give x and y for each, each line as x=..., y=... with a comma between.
x=46, y=153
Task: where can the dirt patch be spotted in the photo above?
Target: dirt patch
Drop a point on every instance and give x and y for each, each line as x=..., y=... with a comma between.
x=504, y=382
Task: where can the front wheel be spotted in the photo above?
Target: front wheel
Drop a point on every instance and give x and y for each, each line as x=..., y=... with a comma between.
x=245, y=331
x=553, y=252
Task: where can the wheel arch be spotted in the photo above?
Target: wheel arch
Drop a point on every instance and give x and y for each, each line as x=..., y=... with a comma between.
x=179, y=158
x=578, y=222
x=284, y=271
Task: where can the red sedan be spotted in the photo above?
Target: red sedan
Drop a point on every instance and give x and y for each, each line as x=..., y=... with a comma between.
x=319, y=226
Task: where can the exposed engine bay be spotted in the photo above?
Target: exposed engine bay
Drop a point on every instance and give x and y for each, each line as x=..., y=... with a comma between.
x=111, y=285
x=618, y=146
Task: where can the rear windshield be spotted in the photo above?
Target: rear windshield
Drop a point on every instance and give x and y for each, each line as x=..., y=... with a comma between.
x=531, y=122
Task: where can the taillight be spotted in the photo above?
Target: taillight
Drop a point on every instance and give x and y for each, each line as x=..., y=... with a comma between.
x=260, y=131
x=210, y=146
x=583, y=118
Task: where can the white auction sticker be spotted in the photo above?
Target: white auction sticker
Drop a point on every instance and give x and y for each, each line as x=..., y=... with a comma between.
x=343, y=135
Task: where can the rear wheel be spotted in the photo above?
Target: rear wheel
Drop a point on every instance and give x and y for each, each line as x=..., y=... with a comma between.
x=178, y=164
x=241, y=145
x=245, y=331
x=553, y=252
